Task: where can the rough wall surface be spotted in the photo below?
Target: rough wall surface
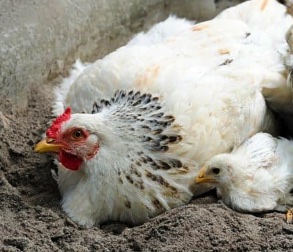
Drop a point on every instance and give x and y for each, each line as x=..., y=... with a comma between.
x=40, y=38
x=36, y=36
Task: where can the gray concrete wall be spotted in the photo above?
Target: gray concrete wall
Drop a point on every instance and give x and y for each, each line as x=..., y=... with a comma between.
x=40, y=39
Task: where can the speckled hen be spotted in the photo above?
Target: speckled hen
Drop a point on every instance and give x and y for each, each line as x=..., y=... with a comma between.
x=134, y=128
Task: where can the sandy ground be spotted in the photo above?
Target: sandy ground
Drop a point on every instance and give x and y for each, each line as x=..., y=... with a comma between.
x=32, y=220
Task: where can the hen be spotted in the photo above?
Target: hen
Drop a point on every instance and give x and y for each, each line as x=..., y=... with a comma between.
x=256, y=177
x=163, y=104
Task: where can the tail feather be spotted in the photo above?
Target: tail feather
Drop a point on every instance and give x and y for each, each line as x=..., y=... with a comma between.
x=288, y=4
x=62, y=90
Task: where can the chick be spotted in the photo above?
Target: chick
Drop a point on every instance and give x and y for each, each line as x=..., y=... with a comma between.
x=256, y=177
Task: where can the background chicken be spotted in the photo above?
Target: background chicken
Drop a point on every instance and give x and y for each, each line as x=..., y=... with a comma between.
x=186, y=92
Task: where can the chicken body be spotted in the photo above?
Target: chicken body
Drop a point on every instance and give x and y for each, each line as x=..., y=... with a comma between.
x=208, y=78
x=256, y=177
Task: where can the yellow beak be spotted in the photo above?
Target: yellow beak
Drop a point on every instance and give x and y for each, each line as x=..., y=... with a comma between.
x=203, y=178
x=47, y=145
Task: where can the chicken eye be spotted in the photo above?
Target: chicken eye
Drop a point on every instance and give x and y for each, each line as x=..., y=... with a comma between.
x=216, y=171
x=77, y=134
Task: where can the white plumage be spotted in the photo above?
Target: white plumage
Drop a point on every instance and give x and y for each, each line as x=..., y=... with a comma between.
x=256, y=177
x=208, y=78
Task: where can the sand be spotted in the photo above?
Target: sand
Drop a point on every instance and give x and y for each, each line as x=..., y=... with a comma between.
x=31, y=218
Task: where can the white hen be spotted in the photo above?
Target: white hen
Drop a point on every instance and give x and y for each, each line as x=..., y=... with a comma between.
x=137, y=155
x=256, y=177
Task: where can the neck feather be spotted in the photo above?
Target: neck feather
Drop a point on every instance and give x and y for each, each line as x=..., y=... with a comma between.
x=140, y=129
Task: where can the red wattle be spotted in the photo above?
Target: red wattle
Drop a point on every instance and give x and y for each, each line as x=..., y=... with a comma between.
x=70, y=161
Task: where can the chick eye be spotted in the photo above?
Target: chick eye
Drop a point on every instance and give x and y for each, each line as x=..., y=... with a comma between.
x=77, y=134
x=216, y=170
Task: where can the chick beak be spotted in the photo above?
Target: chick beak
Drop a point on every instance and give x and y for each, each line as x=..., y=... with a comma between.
x=47, y=145
x=203, y=178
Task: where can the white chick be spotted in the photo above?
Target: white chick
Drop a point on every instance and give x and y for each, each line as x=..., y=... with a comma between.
x=256, y=177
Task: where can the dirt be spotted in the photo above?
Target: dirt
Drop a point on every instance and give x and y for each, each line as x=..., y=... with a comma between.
x=31, y=218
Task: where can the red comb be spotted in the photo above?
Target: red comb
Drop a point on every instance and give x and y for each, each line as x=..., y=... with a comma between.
x=53, y=131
